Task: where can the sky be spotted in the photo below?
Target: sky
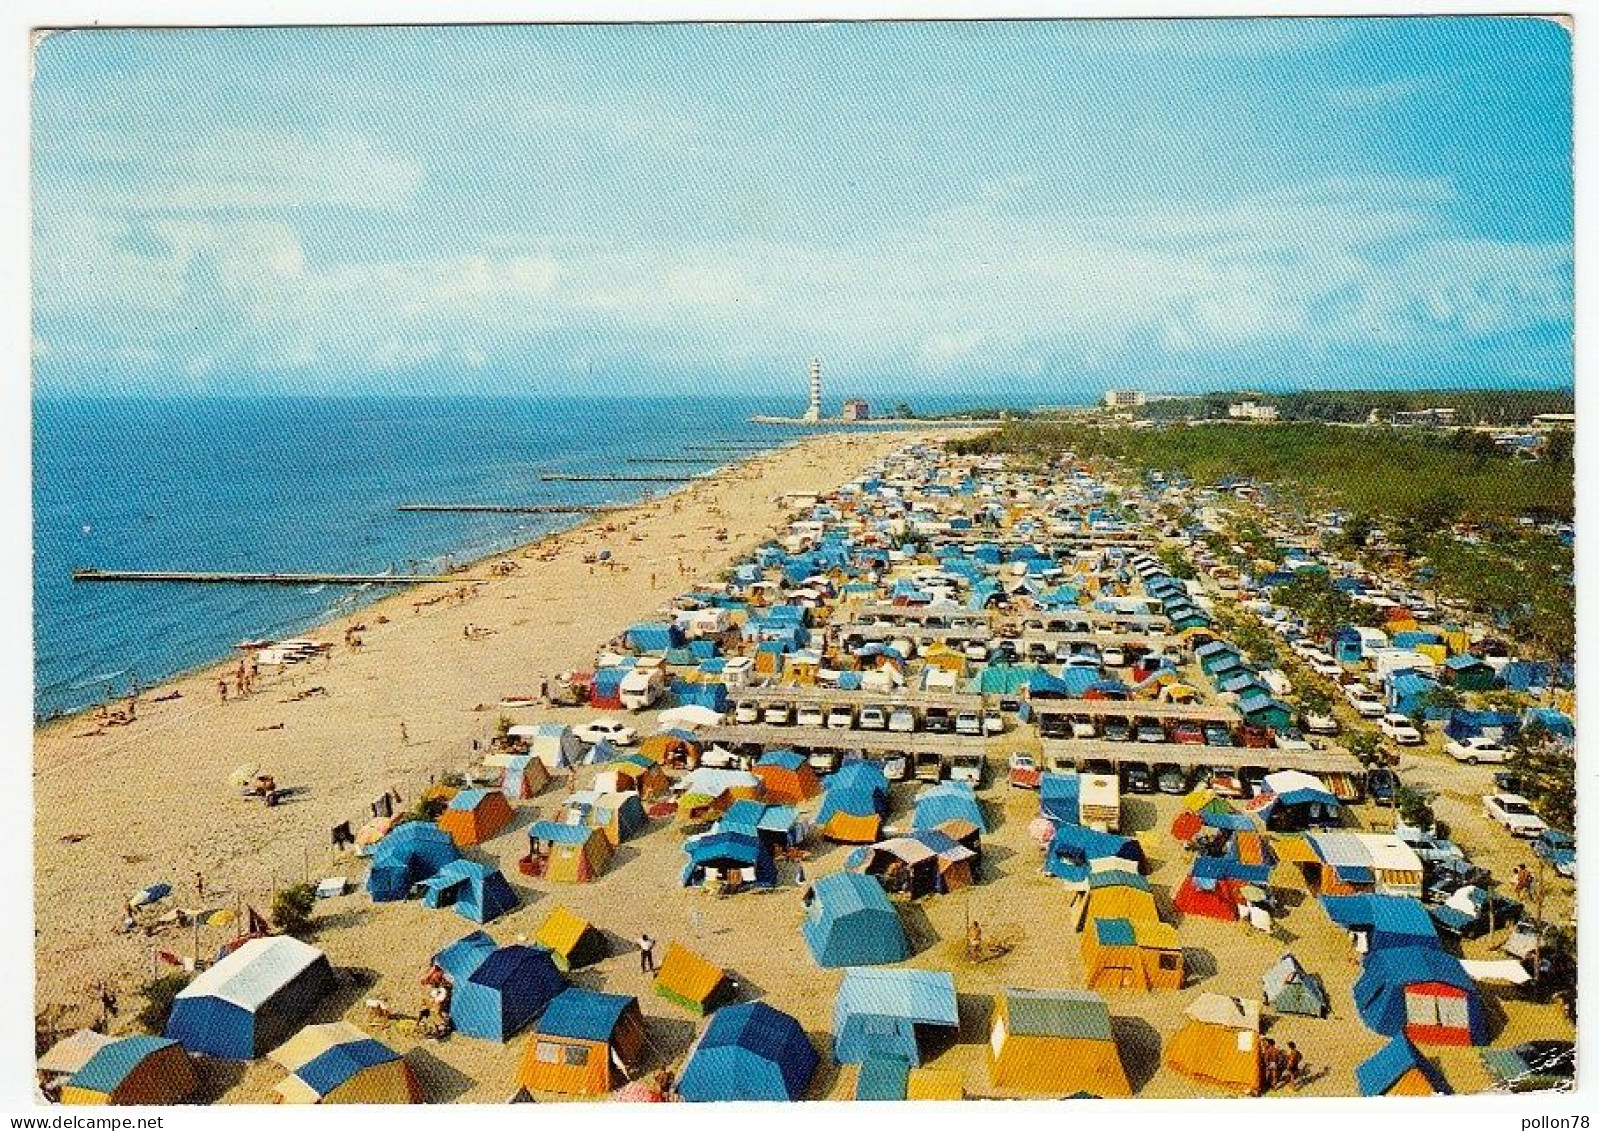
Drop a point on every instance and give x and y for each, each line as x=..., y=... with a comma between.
x=993, y=211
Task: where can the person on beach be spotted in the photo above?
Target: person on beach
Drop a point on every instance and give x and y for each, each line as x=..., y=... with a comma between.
x=1268, y=1064
x=405, y=735
x=1293, y=1064
x=222, y=689
x=199, y=886
x=974, y=942
x=646, y=954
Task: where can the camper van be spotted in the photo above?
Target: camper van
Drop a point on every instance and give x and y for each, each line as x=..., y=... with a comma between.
x=1099, y=803
x=641, y=688
x=737, y=671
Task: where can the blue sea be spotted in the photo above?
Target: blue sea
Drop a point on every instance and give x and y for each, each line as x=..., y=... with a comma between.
x=292, y=485
x=287, y=484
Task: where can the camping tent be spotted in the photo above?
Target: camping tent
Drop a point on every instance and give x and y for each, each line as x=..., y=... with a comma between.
x=927, y=862
x=1219, y=1044
x=572, y=854
x=1073, y=849
x=1115, y=893
x=1398, y=1069
x=877, y=1012
x=573, y=942
x=475, y=815
x=339, y=1064
x=579, y=1036
x=524, y=777
x=1054, y=1043
x=1421, y=993
x=787, y=776
x=948, y=801
x=690, y=981
x=852, y=814
x=749, y=1052
x=1290, y=988
x=476, y=891
x=138, y=1071
x=718, y=854
x=1127, y=954
x=496, y=992
x=251, y=1000
x=619, y=816
x=850, y=922
x=1385, y=920
x=405, y=857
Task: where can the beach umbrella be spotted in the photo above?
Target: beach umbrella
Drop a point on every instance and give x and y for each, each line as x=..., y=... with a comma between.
x=243, y=775
x=145, y=896
x=216, y=917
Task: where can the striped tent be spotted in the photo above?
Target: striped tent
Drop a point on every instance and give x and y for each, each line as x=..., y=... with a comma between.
x=339, y=1064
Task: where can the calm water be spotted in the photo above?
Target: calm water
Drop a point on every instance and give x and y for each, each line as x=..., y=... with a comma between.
x=297, y=485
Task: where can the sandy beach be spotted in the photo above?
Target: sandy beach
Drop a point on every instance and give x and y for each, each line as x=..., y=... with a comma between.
x=151, y=801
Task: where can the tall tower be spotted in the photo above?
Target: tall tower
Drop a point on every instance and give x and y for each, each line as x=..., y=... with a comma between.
x=813, y=412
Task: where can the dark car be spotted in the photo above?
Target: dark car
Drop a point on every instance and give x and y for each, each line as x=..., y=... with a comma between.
x=1507, y=782
x=1171, y=779
x=936, y=721
x=1117, y=732
x=1254, y=779
x=1102, y=766
x=1255, y=738
x=1150, y=731
x=1448, y=875
x=1381, y=785
x=1217, y=734
x=1137, y=778
x=1054, y=726
x=1490, y=911
x=1558, y=849
x=1188, y=734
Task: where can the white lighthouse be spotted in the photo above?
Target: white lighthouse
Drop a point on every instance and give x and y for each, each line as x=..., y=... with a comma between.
x=813, y=411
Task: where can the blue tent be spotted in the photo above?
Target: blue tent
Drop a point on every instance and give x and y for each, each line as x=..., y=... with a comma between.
x=1390, y=995
x=583, y=1015
x=251, y=1001
x=654, y=637
x=1388, y=920
x=1498, y=725
x=1073, y=850
x=1557, y=723
x=749, y=1052
x=850, y=922
x=946, y=802
x=882, y=1079
x=859, y=775
x=411, y=853
x=1058, y=797
x=1384, y=1068
x=729, y=850
x=877, y=1012
x=476, y=891
x=1408, y=692
x=497, y=992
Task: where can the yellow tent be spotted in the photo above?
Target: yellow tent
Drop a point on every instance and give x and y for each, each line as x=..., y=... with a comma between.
x=688, y=980
x=1120, y=954
x=1054, y=1043
x=571, y=940
x=1219, y=1044
x=339, y=1064
x=934, y=1084
x=138, y=1071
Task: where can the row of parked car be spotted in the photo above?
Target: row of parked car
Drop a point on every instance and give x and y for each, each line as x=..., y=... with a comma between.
x=1184, y=732
x=896, y=719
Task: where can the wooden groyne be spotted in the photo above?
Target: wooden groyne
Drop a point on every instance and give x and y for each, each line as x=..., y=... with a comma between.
x=216, y=578
x=510, y=508
x=562, y=477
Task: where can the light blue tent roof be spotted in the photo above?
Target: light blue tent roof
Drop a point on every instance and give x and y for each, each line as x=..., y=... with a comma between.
x=1384, y=1068
x=850, y=922
x=112, y=1063
x=329, y=1070
x=877, y=1011
x=946, y=802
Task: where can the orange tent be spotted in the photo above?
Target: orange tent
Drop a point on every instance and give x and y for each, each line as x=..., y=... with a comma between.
x=475, y=815
x=579, y=1037
x=1220, y=1044
x=787, y=777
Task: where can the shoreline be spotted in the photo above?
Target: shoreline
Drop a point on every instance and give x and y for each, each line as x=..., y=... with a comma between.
x=149, y=802
x=314, y=623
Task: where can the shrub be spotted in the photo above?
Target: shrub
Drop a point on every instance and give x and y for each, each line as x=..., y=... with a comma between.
x=291, y=908
x=158, y=995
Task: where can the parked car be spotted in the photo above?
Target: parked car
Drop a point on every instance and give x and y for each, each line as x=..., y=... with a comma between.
x=1023, y=771
x=1054, y=726
x=1137, y=778
x=1083, y=728
x=1382, y=784
x=1475, y=750
x=1254, y=779
x=841, y=718
x=873, y=718
x=1506, y=782
x=1224, y=782
x=1188, y=734
x=824, y=761
x=1559, y=849
x=1171, y=779
x=1515, y=813
x=1217, y=734
x=1117, y=731
x=935, y=720
x=1317, y=723
x=605, y=730
x=1150, y=731
x=747, y=713
x=1290, y=739
x=902, y=720
x=1113, y=656
x=1449, y=874
x=1255, y=738
x=969, y=723
x=1397, y=728
x=1431, y=849
x=777, y=714
x=968, y=768
x=810, y=715
x=975, y=651
x=1471, y=912
x=1323, y=664
x=993, y=722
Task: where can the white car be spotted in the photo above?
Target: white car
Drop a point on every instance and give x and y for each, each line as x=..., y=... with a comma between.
x=605, y=730
x=1364, y=700
x=1083, y=728
x=901, y=720
x=777, y=715
x=1474, y=750
x=1291, y=740
x=809, y=715
x=1323, y=664
x=1515, y=813
x=873, y=718
x=841, y=718
x=1320, y=724
x=969, y=723
x=1400, y=730
x=1113, y=656
x=993, y=722
x=747, y=713
x=1304, y=648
